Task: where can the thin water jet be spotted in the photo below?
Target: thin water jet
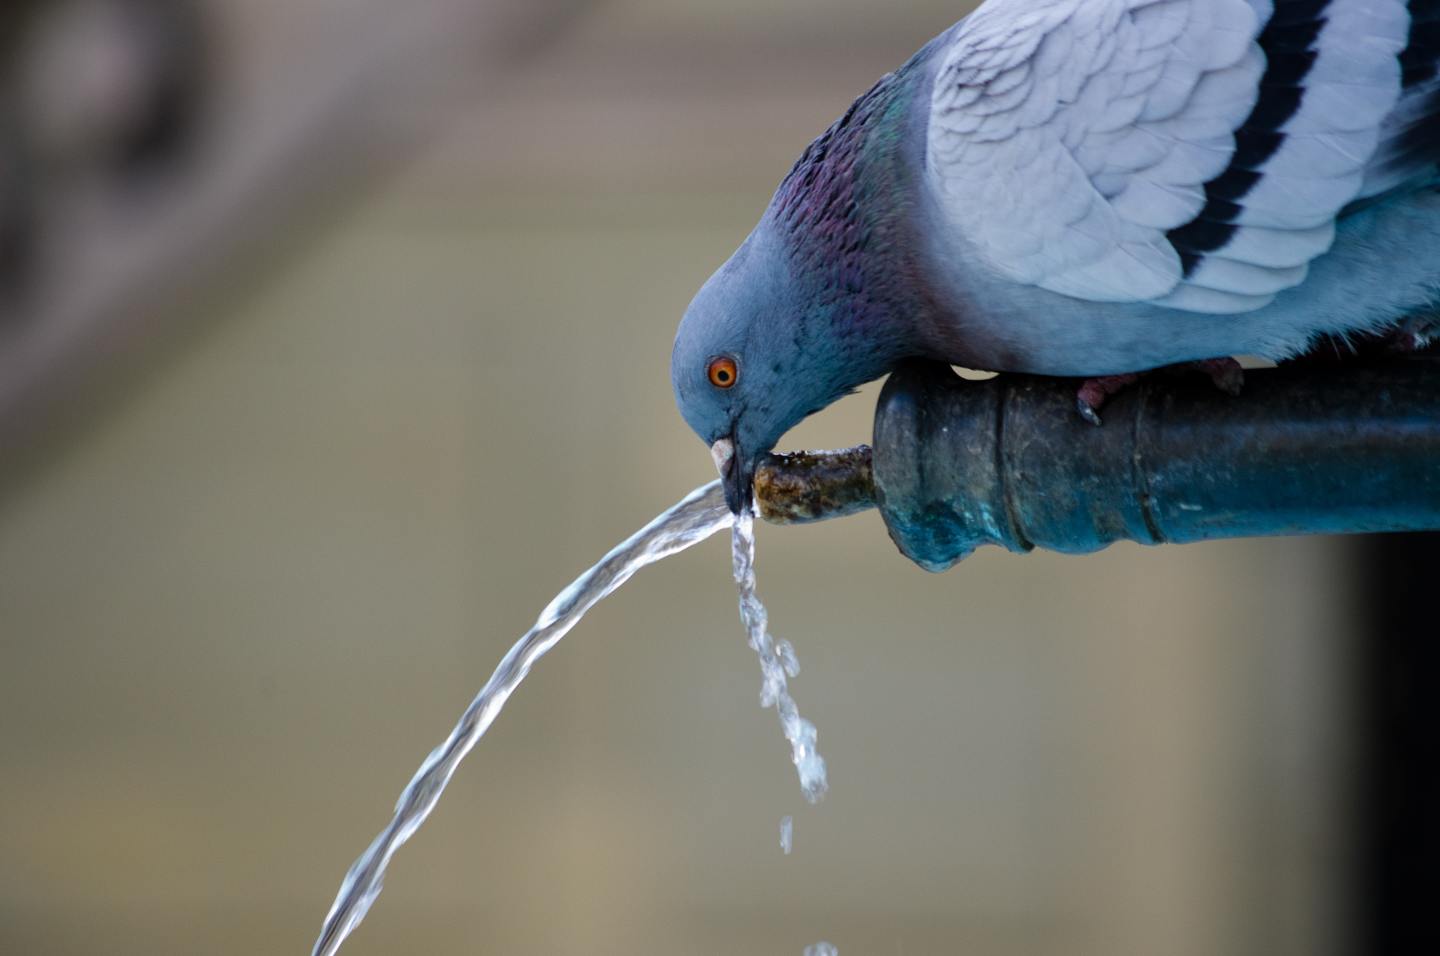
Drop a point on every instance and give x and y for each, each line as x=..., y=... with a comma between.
x=699, y=515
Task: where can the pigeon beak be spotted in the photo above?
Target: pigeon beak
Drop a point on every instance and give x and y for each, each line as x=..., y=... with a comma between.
x=735, y=473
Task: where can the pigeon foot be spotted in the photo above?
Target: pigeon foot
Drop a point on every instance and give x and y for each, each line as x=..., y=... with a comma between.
x=1225, y=373
x=1094, y=392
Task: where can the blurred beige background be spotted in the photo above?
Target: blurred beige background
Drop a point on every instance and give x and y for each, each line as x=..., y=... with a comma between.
x=246, y=590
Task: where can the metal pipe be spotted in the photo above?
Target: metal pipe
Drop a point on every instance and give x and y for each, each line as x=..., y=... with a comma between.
x=804, y=486
x=958, y=464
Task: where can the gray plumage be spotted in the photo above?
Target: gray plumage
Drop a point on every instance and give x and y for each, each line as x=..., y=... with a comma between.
x=1087, y=187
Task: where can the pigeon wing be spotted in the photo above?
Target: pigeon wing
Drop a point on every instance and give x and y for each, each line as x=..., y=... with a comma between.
x=1190, y=153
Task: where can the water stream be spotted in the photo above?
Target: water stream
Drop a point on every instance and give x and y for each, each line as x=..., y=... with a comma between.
x=698, y=516
x=778, y=663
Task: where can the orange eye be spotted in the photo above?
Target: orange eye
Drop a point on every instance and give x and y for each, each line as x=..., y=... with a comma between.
x=722, y=371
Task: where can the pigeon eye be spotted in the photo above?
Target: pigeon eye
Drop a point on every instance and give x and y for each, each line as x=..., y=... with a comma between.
x=722, y=372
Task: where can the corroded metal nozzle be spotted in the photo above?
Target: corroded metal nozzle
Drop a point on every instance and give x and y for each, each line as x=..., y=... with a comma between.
x=804, y=486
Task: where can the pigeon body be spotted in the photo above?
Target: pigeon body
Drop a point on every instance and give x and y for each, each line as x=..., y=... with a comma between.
x=1086, y=187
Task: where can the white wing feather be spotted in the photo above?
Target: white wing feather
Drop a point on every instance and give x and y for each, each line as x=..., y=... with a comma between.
x=1067, y=137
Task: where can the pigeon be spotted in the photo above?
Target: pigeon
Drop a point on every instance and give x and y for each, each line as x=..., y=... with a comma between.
x=1087, y=188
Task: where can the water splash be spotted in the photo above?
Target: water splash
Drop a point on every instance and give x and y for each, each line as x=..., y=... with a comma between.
x=777, y=664
x=701, y=514
x=787, y=834
x=822, y=949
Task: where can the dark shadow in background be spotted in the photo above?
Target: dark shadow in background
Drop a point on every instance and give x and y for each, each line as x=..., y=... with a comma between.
x=1399, y=787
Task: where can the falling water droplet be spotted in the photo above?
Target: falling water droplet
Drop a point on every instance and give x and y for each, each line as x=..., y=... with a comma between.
x=774, y=689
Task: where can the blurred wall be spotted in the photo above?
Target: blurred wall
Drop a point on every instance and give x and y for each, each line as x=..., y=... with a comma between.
x=249, y=591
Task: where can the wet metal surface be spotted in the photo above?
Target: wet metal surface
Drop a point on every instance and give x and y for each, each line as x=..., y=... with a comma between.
x=1344, y=450
x=805, y=486
x=957, y=464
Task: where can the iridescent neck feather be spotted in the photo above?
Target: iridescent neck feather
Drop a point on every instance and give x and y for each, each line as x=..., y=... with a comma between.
x=844, y=216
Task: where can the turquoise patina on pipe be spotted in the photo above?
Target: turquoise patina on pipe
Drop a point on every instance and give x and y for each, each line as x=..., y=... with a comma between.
x=1335, y=450
x=957, y=464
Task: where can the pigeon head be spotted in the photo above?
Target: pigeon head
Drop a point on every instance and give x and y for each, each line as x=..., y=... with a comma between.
x=821, y=298
x=757, y=351
x=731, y=373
